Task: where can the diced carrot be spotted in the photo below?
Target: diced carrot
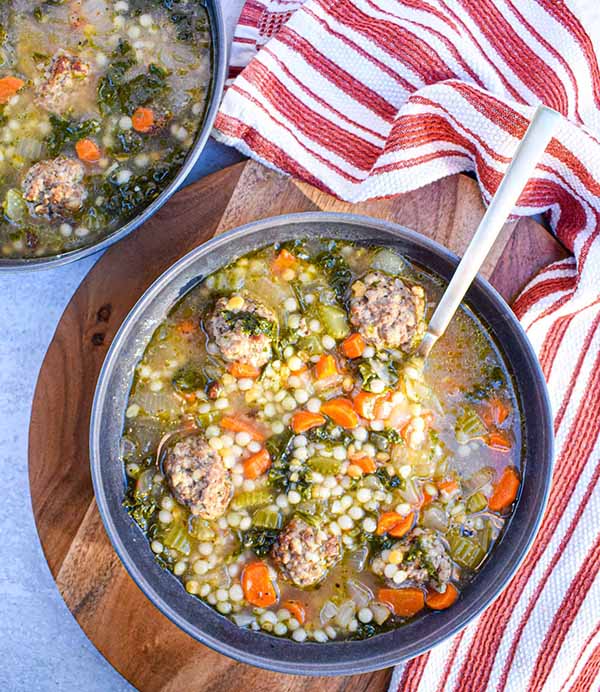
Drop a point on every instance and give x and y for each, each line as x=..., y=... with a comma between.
x=9, y=86
x=365, y=403
x=341, y=412
x=402, y=527
x=243, y=370
x=353, y=346
x=187, y=326
x=366, y=464
x=449, y=486
x=404, y=602
x=495, y=412
x=326, y=367
x=284, y=260
x=305, y=420
x=257, y=464
x=87, y=150
x=440, y=601
x=498, y=440
x=296, y=609
x=240, y=424
x=505, y=490
x=257, y=585
x=395, y=524
x=190, y=397
x=143, y=119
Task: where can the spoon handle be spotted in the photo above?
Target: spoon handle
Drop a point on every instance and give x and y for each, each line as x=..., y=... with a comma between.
x=521, y=168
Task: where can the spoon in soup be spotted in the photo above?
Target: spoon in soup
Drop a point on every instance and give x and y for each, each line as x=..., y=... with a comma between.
x=521, y=168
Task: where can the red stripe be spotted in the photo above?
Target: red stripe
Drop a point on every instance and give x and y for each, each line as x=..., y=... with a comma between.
x=588, y=673
x=378, y=64
x=552, y=343
x=516, y=640
x=315, y=126
x=564, y=16
x=483, y=53
x=450, y=660
x=235, y=128
x=578, y=658
x=570, y=464
x=413, y=673
x=565, y=616
x=541, y=290
x=342, y=79
x=555, y=54
x=425, y=28
x=401, y=45
x=531, y=70
x=578, y=365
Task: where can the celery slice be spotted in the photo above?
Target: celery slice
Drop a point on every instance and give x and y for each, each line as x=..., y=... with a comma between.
x=466, y=552
x=325, y=465
x=266, y=519
x=177, y=538
x=476, y=503
x=252, y=498
x=334, y=320
x=469, y=426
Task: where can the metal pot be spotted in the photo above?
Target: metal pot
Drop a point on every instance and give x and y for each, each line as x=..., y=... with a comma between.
x=219, y=71
x=200, y=620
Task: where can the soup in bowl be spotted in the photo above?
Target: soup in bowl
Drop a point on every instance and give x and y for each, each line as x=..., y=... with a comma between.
x=295, y=467
x=101, y=104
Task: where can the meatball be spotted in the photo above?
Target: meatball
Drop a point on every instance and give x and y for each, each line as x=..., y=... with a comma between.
x=386, y=311
x=304, y=553
x=63, y=75
x=198, y=478
x=54, y=187
x=243, y=329
x=423, y=557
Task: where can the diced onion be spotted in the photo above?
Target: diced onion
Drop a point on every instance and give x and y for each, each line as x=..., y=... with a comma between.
x=328, y=611
x=435, y=518
x=359, y=593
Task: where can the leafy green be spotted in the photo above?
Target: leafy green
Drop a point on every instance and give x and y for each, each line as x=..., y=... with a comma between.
x=330, y=432
x=141, y=508
x=374, y=369
x=493, y=379
x=389, y=482
x=249, y=322
x=336, y=270
x=128, y=142
x=259, y=540
x=66, y=131
x=188, y=379
x=109, y=86
x=384, y=439
x=142, y=89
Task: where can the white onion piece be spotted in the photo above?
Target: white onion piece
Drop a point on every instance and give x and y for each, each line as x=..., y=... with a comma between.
x=242, y=619
x=380, y=612
x=358, y=558
x=29, y=148
x=359, y=593
x=435, y=518
x=410, y=493
x=345, y=613
x=328, y=611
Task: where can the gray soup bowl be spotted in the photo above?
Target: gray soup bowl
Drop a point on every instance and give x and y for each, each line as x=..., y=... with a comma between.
x=219, y=63
x=200, y=620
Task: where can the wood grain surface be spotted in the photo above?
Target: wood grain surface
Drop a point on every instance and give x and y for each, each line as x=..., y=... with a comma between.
x=136, y=639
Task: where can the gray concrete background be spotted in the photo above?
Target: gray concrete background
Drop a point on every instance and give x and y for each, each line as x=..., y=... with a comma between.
x=41, y=645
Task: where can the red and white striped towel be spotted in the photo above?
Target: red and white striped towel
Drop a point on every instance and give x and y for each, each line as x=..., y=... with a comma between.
x=369, y=98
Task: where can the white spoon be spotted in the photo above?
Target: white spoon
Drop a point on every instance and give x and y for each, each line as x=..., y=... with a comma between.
x=521, y=168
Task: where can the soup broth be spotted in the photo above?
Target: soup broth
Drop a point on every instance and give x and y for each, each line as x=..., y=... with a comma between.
x=99, y=104
x=293, y=462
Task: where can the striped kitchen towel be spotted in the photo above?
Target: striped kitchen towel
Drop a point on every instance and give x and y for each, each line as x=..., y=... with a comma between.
x=370, y=98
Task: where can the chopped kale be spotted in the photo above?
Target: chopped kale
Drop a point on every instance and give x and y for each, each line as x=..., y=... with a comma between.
x=188, y=379
x=330, y=432
x=259, y=540
x=128, y=142
x=142, y=89
x=384, y=439
x=390, y=482
x=374, y=369
x=66, y=131
x=336, y=270
x=493, y=379
x=110, y=85
x=249, y=322
x=142, y=509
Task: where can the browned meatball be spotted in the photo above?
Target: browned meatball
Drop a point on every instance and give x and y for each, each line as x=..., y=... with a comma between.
x=198, y=478
x=304, y=553
x=54, y=187
x=386, y=311
x=62, y=77
x=243, y=330
x=423, y=558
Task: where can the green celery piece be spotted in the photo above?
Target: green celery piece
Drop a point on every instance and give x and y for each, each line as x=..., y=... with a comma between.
x=476, y=503
x=177, y=538
x=266, y=519
x=253, y=498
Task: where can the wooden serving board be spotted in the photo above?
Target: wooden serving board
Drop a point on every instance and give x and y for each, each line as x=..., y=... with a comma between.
x=143, y=645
